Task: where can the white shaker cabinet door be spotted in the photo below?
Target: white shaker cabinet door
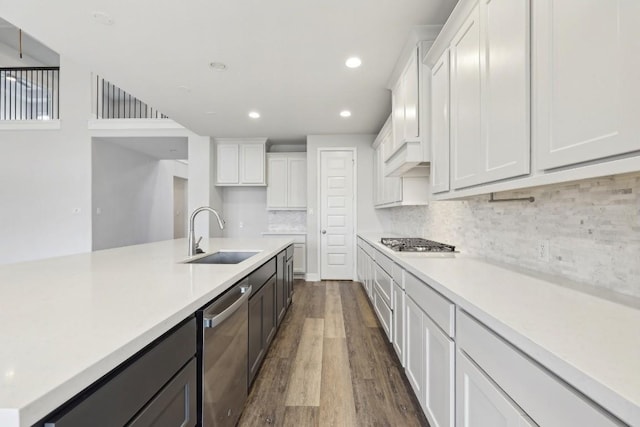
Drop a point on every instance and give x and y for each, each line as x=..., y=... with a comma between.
x=399, y=303
x=252, y=164
x=440, y=125
x=227, y=162
x=505, y=89
x=277, y=182
x=586, y=86
x=466, y=150
x=299, y=258
x=411, y=99
x=481, y=403
x=297, y=186
x=414, y=348
x=398, y=114
x=439, y=364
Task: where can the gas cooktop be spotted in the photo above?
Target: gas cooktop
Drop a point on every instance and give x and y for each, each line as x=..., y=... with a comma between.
x=415, y=244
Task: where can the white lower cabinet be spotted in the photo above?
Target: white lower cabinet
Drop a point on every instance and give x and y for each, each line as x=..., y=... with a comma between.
x=365, y=269
x=385, y=315
x=300, y=258
x=541, y=395
x=439, y=375
x=463, y=373
x=430, y=365
x=480, y=402
x=414, y=355
x=398, y=321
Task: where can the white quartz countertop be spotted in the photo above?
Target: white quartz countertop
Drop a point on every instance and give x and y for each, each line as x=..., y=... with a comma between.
x=65, y=322
x=592, y=343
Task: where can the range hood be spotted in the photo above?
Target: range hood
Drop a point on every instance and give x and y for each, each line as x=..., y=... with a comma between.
x=409, y=156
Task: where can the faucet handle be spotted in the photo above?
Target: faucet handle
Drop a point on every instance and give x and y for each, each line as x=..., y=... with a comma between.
x=198, y=250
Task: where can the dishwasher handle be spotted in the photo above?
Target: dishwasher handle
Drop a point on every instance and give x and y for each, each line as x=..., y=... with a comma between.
x=213, y=321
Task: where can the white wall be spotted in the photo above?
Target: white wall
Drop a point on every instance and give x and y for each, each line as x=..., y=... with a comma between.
x=10, y=58
x=134, y=193
x=245, y=210
x=202, y=192
x=367, y=217
x=592, y=228
x=45, y=180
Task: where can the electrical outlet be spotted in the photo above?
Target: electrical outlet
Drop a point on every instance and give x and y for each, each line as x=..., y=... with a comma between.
x=241, y=224
x=543, y=250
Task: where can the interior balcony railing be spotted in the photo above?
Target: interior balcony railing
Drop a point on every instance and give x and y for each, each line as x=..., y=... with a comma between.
x=114, y=103
x=30, y=93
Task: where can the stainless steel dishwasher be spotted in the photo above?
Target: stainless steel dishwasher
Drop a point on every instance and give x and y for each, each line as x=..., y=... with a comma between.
x=224, y=341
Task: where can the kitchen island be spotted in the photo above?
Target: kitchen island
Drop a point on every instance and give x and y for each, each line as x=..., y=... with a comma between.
x=66, y=322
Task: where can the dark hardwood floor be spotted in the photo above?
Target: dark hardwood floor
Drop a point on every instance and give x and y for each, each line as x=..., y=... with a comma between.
x=331, y=365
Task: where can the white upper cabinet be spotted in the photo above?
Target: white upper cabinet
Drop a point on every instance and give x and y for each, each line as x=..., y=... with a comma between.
x=404, y=100
x=228, y=170
x=297, y=191
x=466, y=162
x=440, y=125
x=277, y=181
x=240, y=162
x=586, y=85
x=287, y=181
x=388, y=190
x=556, y=78
x=490, y=94
x=409, y=84
x=505, y=53
x=252, y=164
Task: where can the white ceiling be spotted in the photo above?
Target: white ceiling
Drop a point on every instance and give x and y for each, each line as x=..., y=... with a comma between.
x=285, y=57
x=161, y=148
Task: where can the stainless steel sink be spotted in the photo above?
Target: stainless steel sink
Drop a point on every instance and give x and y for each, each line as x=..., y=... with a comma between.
x=224, y=257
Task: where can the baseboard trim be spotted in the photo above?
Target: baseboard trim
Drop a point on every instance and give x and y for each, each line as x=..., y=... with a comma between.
x=312, y=277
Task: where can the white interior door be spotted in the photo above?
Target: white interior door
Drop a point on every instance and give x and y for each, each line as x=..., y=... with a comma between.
x=336, y=215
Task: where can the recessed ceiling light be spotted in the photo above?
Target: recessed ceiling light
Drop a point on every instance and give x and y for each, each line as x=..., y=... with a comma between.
x=218, y=66
x=10, y=78
x=211, y=113
x=184, y=88
x=254, y=115
x=353, y=62
x=102, y=18
x=345, y=113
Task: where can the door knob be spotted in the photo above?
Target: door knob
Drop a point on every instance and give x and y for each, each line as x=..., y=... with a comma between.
x=324, y=231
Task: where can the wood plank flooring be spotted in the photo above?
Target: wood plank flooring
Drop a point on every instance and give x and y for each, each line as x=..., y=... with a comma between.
x=331, y=365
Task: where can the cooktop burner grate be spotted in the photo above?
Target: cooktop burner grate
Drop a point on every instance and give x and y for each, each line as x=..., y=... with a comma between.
x=415, y=244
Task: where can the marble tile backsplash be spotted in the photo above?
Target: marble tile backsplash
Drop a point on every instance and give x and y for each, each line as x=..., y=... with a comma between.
x=287, y=220
x=592, y=228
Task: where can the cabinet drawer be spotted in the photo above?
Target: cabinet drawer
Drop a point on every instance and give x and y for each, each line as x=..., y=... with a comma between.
x=384, y=262
x=116, y=400
x=384, y=313
x=175, y=405
x=440, y=309
x=369, y=250
x=261, y=275
x=384, y=283
x=544, y=397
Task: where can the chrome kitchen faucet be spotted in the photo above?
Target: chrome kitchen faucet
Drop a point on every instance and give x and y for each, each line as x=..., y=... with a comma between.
x=193, y=245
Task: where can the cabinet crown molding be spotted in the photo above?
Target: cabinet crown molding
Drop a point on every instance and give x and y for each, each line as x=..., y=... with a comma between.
x=417, y=37
x=448, y=31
